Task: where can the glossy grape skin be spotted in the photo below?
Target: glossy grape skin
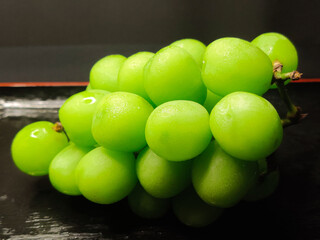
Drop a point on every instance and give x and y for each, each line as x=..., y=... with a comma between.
x=162, y=178
x=34, y=147
x=106, y=176
x=220, y=179
x=173, y=74
x=278, y=47
x=194, y=47
x=233, y=64
x=246, y=126
x=104, y=73
x=119, y=122
x=62, y=169
x=147, y=206
x=178, y=130
x=192, y=211
x=211, y=100
x=76, y=116
x=131, y=74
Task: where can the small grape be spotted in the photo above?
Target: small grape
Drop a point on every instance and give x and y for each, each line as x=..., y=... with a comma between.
x=76, y=116
x=178, y=130
x=104, y=73
x=192, y=211
x=62, y=169
x=106, y=176
x=173, y=74
x=162, y=178
x=194, y=47
x=119, y=122
x=278, y=47
x=131, y=74
x=220, y=179
x=147, y=206
x=265, y=185
x=35, y=145
x=246, y=126
x=233, y=64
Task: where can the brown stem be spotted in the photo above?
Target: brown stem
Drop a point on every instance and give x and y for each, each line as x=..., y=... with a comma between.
x=294, y=114
x=279, y=75
x=58, y=127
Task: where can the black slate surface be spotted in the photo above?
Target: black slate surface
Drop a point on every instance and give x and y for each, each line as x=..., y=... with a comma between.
x=31, y=209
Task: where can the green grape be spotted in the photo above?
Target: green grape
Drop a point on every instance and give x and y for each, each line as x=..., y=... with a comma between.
x=131, y=74
x=220, y=179
x=119, y=122
x=192, y=211
x=62, y=169
x=106, y=176
x=147, y=206
x=265, y=185
x=162, y=178
x=89, y=87
x=194, y=47
x=211, y=100
x=246, y=126
x=173, y=74
x=178, y=130
x=104, y=73
x=264, y=188
x=233, y=64
x=263, y=166
x=278, y=47
x=76, y=116
x=35, y=145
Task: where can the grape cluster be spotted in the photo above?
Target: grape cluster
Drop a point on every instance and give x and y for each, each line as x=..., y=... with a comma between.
x=185, y=127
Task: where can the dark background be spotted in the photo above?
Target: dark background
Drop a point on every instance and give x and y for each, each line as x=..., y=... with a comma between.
x=58, y=40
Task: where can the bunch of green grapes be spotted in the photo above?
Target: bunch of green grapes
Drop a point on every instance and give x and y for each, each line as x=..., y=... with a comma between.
x=185, y=126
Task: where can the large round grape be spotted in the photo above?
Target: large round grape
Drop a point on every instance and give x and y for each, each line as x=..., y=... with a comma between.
x=131, y=74
x=76, y=116
x=62, y=169
x=119, y=122
x=106, y=176
x=246, y=126
x=162, y=178
x=211, y=100
x=192, y=211
x=104, y=73
x=35, y=145
x=220, y=179
x=278, y=47
x=233, y=64
x=194, y=47
x=178, y=130
x=145, y=205
x=173, y=74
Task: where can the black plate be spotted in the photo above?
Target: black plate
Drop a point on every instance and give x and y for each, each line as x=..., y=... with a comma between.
x=31, y=209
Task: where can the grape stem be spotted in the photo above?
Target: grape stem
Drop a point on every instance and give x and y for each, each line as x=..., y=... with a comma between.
x=294, y=114
x=59, y=128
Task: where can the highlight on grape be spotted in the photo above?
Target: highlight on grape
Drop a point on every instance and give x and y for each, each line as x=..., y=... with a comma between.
x=185, y=127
